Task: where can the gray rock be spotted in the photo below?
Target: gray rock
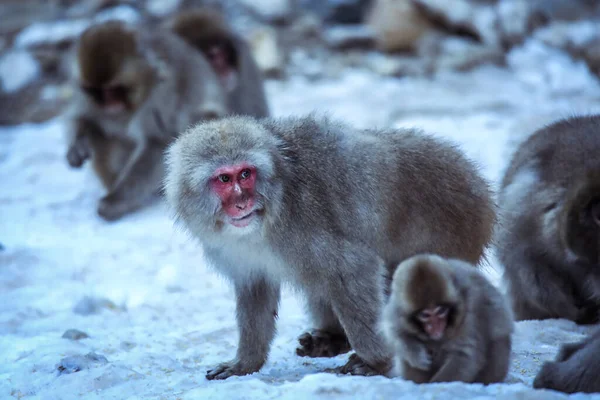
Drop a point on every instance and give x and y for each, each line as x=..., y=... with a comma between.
x=74, y=334
x=349, y=36
x=398, y=25
x=72, y=364
x=458, y=53
x=466, y=17
x=338, y=11
x=398, y=66
x=125, y=345
x=93, y=305
x=267, y=51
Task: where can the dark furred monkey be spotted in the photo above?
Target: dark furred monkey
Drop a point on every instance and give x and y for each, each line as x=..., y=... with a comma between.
x=136, y=89
x=549, y=237
x=331, y=210
x=230, y=57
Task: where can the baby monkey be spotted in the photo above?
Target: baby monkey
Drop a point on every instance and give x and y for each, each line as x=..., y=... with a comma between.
x=446, y=322
x=576, y=368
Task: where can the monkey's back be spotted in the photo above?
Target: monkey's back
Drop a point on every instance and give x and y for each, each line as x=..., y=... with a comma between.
x=553, y=149
x=401, y=191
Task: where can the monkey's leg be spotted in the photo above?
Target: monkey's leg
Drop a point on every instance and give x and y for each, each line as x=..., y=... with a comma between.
x=137, y=182
x=109, y=158
x=553, y=376
x=496, y=368
x=328, y=339
x=256, y=309
x=357, y=300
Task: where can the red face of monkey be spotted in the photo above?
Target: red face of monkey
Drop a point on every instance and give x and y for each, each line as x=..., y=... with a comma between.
x=235, y=186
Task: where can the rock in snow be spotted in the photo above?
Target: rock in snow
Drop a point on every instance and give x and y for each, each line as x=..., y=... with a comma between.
x=71, y=364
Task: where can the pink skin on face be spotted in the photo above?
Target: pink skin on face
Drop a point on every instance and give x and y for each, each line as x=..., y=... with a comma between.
x=234, y=184
x=434, y=320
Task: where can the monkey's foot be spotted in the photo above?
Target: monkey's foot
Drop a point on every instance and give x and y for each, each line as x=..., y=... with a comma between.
x=111, y=209
x=78, y=153
x=228, y=369
x=356, y=366
x=322, y=344
x=544, y=376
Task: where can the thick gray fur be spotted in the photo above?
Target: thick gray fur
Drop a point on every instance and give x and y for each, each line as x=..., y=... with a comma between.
x=127, y=149
x=476, y=348
x=342, y=207
x=551, y=262
x=576, y=368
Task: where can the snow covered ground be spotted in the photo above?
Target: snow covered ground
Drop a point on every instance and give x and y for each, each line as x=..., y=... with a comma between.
x=140, y=288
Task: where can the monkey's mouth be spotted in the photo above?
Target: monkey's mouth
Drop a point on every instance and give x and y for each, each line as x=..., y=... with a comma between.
x=244, y=221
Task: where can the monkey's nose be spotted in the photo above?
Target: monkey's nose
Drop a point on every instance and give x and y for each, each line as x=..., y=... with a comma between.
x=240, y=206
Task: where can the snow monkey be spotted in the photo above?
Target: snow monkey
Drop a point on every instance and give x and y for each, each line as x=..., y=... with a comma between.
x=136, y=89
x=230, y=57
x=549, y=238
x=446, y=322
x=576, y=368
x=329, y=209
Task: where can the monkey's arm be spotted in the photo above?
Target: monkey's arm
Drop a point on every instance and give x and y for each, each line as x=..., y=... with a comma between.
x=80, y=149
x=461, y=364
x=256, y=309
x=415, y=353
x=137, y=181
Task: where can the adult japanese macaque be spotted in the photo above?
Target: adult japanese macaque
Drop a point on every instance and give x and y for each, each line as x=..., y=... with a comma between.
x=446, y=322
x=549, y=237
x=329, y=209
x=576, y=368
x=230, y=57
x=136, y=89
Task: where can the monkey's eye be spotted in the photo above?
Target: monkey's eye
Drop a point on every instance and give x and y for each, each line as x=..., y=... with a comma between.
x=246, y=173
x=442, y=311
x=224, y=178
x=424, y=315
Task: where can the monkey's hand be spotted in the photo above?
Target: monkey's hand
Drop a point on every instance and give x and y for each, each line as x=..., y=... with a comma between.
x=79, y=151
x=231, y=368
x=321, y=343
x=112, y=207
x=544, y=378
x=417, y=357
x=357, y=366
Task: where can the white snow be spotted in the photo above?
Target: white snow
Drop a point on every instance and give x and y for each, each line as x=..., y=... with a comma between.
x=173, y=318
x=17, y=69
